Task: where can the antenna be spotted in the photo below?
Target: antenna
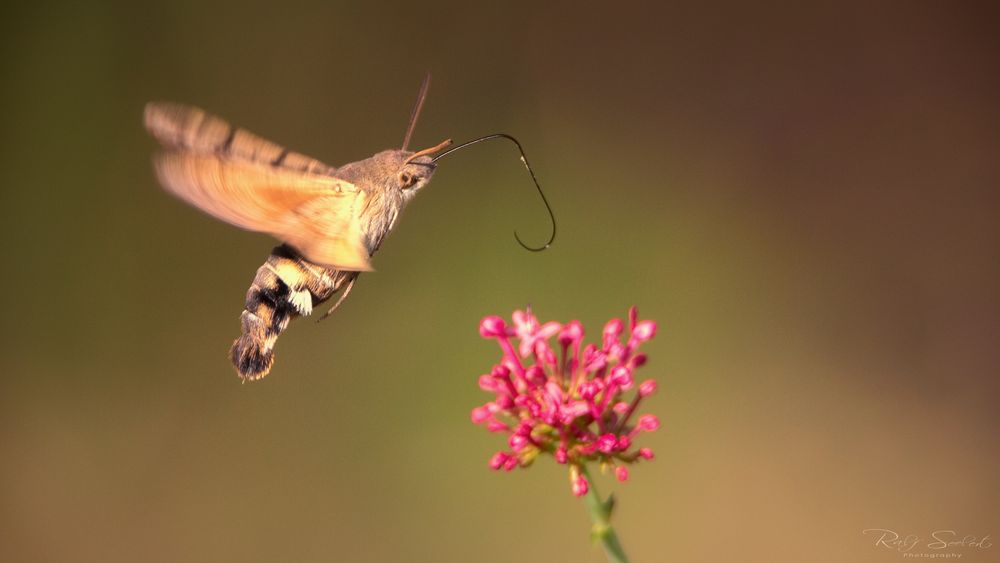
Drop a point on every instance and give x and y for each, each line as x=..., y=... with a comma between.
x=421, y=96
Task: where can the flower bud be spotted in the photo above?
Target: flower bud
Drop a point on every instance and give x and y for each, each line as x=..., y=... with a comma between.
x=615, y=350
x=606, y=443
x=648, y=423
x=493, y=327
x=534, y=407
x=517, y=442
x=624, y=442
x=621, y=473
x=571, y=333
x=644, y=331
x=593, y=359
x=647, y=388
x=590, y=389
x=494, y=425
x=646, y=453
x=639, y=360
x=580, y=486
x=479, y=415
x=613, y=328
x=612, y=331
x=535, y=376
x=621, y=376
x=487, y=383
x=498, y=460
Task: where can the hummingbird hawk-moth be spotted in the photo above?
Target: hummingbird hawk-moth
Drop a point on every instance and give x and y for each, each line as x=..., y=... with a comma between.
x=330, y=220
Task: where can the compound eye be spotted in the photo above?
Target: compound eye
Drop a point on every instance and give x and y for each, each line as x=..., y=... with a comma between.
x=406, y=180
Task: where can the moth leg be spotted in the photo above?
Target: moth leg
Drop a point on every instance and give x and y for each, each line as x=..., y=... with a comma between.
x=343, y=296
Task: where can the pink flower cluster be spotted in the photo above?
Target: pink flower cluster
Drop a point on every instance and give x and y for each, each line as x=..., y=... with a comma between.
x=569, y=400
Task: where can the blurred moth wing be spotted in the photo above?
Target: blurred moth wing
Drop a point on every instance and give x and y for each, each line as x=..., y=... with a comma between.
x=257, y=185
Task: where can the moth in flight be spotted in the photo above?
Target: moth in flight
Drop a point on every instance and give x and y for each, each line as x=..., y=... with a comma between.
x=330, y=220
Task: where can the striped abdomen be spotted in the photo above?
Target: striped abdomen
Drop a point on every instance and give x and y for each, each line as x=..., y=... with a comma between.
x=286, y=286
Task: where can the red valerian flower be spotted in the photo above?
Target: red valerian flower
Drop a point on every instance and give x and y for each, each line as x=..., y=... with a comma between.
x=577, y=404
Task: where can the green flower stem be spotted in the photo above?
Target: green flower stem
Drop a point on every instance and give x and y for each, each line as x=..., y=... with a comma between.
x=600, y=515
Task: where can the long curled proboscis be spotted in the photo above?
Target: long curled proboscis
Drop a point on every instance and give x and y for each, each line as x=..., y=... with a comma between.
x=524, y=159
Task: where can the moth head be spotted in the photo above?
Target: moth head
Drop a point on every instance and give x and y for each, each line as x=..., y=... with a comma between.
x=395, y=170
x=416, y=168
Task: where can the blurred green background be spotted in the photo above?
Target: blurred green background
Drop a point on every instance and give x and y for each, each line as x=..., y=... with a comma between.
x=804, y=197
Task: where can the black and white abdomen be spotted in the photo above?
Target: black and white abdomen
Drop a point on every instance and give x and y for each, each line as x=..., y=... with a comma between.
x=286, y=286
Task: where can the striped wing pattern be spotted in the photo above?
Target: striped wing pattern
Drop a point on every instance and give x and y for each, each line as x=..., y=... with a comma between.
x=257, y=185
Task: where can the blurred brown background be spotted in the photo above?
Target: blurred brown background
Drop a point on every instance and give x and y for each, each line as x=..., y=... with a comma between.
x=805, y=198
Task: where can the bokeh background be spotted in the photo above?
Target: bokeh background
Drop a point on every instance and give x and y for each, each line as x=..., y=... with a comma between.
x=804, y=196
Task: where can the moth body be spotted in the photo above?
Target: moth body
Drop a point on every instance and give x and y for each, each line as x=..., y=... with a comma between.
x=330, y=220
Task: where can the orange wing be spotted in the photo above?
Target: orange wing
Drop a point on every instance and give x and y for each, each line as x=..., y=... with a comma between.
x=188, y=128
x=257, y=185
